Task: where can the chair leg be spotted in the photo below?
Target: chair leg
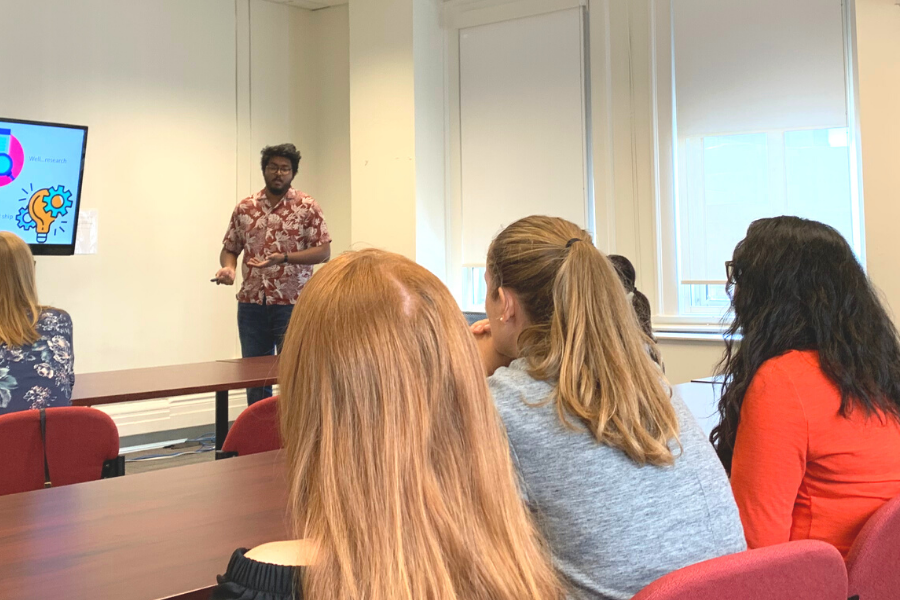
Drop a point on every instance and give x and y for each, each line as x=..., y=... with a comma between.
x=114, y=467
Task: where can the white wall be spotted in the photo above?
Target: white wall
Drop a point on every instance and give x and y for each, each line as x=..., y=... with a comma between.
x=878, y=43
x=382, y=126
x=179, y=97
x=431, y=114
x=326, y=40
x=154, y=82
x=687, y=359
x=396, y=128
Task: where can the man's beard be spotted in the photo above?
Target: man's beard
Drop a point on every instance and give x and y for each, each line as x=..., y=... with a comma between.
x=278, y=191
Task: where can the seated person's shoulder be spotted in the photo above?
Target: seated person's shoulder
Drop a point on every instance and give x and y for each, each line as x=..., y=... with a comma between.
x=269, y=572
x=55, y=320
x=506, y=385
x=289, y=553
x=795, y=366
x=512, y=377
x=793, y=359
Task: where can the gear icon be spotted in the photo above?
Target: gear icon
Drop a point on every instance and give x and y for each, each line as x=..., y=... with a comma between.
x=58, y=201
x=24, y=220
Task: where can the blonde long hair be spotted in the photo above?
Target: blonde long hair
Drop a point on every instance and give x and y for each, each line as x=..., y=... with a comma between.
x=584, y=337
x=400, y=472
x=19, y=308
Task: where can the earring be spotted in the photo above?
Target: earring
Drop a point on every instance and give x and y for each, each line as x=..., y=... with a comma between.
x=501, y=319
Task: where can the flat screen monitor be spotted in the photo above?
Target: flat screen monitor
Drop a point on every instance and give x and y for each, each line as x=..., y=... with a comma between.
x=41, y=168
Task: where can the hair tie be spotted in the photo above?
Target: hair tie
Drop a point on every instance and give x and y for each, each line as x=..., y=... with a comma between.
x=572, y=241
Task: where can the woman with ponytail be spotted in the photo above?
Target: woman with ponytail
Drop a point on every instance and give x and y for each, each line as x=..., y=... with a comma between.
x=620, y=477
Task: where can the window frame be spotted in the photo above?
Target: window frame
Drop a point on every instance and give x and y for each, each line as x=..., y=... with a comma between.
x=629, y=65
x=671, y=296
x=461, y=14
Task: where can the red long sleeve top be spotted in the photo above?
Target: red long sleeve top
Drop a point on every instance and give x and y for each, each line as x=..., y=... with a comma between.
x=800, y=469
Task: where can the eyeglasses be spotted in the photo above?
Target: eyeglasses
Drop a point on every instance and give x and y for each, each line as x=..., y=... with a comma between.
x=276, y=169
x=729, y=270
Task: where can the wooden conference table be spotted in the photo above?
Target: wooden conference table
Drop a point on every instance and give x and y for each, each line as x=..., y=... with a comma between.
x=178, y=380
x=162, y=534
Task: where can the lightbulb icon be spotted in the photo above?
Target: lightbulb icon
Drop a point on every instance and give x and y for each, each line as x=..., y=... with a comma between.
x=38, y=212
x=45, y=206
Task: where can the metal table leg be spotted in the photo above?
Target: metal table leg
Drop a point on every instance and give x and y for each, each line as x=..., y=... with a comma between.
x=221, y=420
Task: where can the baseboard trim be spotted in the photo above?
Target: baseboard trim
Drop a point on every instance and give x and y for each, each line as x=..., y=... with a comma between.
x=168, y=415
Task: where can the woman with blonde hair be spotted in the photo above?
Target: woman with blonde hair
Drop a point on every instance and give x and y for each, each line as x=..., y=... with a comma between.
x=36, y=358
x=400, y=481
x=624, y=485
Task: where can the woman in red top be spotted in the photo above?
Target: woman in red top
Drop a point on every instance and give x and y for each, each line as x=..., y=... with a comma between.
x=810, y=413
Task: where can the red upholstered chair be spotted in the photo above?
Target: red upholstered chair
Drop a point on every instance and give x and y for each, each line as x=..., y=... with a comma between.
x=801, y=570
x=874, y=560
x=255, y=430
x=82, y=444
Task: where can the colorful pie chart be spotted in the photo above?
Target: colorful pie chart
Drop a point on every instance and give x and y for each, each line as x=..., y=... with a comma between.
x=12, y=157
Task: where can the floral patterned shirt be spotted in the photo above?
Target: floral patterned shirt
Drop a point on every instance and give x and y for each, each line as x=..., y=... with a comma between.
x=41, y=374
x=296, y=223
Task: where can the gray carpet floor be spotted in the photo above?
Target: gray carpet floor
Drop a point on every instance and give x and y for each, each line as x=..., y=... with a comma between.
x=178, y=455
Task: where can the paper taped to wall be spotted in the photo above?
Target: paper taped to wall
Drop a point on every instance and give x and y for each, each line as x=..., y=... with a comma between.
x=86, y=240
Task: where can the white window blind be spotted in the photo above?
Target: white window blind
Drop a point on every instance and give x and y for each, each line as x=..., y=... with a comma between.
x=761, y=122
x=522, y=125
x=744, y=66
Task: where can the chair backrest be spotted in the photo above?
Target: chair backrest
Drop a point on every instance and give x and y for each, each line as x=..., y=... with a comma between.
x=873, y=564
x=255, y=430
x=79, y=441
x=801, y=570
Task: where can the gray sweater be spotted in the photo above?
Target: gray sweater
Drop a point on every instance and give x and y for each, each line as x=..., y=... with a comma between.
x=614, y=527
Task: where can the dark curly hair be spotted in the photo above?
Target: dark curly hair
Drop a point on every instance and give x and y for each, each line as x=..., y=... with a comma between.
x=796, y=285
x=638, y=300
x=288, y=151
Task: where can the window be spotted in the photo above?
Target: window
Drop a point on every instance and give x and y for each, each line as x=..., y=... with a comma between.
x=753, y=105
x=731, y=180
x=474, y=289
x=519, y=130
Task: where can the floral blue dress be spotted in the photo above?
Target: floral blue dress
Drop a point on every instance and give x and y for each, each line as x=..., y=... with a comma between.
x=41, y=374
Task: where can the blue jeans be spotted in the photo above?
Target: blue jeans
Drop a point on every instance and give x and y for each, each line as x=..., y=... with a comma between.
x=261, y=328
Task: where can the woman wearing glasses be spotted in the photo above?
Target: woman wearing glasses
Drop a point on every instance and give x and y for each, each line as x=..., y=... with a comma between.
x=282, y=233
x=810, y=411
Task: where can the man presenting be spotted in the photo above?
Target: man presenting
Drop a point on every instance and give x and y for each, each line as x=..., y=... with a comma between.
x=282, y=233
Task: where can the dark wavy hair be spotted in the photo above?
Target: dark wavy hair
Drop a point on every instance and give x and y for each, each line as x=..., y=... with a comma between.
x=796, y=285
x=288, y=151
x=638, y=300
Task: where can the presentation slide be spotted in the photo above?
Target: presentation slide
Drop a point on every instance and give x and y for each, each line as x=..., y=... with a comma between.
x=40, y=179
